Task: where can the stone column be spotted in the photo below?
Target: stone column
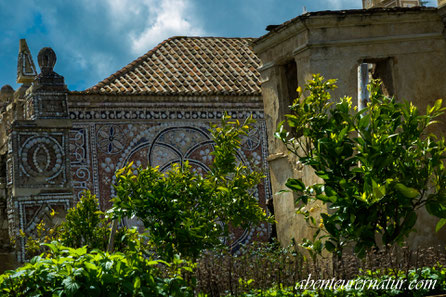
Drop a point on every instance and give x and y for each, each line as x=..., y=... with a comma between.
x=38, y=166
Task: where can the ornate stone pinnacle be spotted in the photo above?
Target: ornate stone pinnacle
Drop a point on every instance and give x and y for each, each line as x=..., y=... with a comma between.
x=26, y=71
x=46, y=59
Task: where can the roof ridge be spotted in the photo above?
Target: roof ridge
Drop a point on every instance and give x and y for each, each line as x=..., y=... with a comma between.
x=188, y=65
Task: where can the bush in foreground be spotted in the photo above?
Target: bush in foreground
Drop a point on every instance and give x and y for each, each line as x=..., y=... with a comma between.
x=75, y=272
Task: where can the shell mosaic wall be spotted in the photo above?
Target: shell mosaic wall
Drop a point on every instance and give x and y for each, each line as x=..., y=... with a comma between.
x=55, y=144
x=99, y=148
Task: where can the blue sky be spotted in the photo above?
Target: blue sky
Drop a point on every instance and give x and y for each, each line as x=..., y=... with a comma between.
x=94, y=38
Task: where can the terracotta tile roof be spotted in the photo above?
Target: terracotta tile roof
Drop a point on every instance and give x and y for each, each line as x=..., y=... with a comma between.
x=188, y=66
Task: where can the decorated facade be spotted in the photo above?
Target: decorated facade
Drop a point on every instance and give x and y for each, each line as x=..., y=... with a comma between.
x=156, y=111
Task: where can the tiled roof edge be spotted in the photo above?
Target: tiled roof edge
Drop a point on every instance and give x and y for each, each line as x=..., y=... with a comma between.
x=132, y=65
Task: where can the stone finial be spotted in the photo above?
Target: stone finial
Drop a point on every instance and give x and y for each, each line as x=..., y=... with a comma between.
x=6, y=94
x=26, y=71
x=46, y=59
x=441, y=3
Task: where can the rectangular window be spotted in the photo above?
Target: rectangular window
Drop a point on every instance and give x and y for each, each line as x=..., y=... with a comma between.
x=291, y=79
x=370, y=69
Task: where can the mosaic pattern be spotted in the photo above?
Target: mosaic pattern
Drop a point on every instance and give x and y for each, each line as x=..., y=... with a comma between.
x=113, y=144
x=80, y=160
x=33, y=210
x=40, y=161
x=150, y=114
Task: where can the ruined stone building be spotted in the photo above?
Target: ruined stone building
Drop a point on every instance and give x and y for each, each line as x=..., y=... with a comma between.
x=405, y=47
x=156, y=111
x=55, y=143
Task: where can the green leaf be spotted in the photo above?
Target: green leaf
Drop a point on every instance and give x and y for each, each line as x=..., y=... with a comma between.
x=282, y=192
x=364, y=122
x=436, y=209
x=440, y=224
x=71, y=286
x=331, y=228
x=379, y=191
x=323, y=174
x=137, y=283
x=330, y=246
x=406, y=191
x=223, y=189
x=295, y=184
x=438, y=104
x=410, y=221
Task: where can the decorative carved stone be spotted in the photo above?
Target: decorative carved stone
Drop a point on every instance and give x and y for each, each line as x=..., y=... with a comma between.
x=26, y=71
x=47, y=98
x=6, y=94
x=47, y=78
x=46, y=59
x=40, y=160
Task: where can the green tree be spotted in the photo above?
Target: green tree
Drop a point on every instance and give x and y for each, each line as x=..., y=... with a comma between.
x=185, y=212
x=378, y=165
x=84, y=225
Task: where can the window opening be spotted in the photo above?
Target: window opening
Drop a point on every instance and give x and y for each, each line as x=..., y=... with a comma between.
x=374, y=69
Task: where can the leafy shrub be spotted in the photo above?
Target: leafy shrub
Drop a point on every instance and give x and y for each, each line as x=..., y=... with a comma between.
x=185, y=212
x=84, y=225
x=75, y=272
x=378, y=166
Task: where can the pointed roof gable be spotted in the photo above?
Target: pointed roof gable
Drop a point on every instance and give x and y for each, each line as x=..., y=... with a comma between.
x=188, y=66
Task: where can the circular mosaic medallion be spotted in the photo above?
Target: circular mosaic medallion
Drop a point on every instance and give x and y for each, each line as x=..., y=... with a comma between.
x=42, y=156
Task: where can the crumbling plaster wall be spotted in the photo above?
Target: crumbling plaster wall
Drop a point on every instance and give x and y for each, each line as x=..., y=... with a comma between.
x=334, y=44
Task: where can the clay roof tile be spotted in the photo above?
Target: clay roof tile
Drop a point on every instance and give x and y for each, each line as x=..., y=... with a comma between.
x=189, y=65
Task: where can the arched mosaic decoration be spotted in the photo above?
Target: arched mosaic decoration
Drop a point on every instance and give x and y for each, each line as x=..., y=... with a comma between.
x=167, y=144
x=100, y=146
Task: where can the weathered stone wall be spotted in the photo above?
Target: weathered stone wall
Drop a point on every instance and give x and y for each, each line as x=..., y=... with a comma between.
x=334, y=44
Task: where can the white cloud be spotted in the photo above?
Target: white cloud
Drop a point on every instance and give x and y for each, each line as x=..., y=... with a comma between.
x=342, y=4
x=171, y=17
x=93, y=39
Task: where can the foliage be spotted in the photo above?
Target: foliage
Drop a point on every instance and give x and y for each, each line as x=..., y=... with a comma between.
x=75, y=272
x=185, y=212
x=84, y=225
x=378, y=165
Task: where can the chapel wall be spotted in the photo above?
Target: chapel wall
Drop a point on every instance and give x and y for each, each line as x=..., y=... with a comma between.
x=156, y=131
